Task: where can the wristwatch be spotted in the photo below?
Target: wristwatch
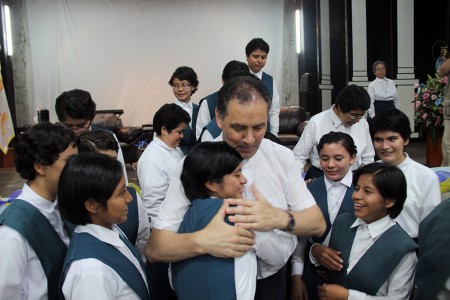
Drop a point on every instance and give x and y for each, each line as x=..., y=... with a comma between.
x=291, y=223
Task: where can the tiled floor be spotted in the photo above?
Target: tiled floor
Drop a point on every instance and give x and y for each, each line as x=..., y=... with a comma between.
x=11, y=181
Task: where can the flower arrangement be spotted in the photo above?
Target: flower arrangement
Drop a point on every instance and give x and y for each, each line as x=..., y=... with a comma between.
x=428, y=98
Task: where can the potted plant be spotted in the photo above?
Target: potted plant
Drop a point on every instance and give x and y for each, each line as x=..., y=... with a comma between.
x=428, y=113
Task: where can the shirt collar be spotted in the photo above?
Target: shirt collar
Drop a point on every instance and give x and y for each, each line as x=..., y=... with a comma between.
x=37, y=201
x=183, y=104
x=334, y=117
x=161, y=143
x=375, y=228
x=406, y=162
x=346, y=180
x=380, y=79
x=110, y=236
x=259, y=74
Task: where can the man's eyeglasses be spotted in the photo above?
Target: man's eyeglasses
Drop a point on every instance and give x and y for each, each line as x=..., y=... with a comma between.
x=356, y=117
x=183, y=86
x=76, y=127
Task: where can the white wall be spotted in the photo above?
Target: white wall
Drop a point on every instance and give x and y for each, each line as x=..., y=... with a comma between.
x=124, y=52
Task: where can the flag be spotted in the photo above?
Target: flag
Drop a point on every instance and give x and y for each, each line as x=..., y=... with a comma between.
x=7, y=128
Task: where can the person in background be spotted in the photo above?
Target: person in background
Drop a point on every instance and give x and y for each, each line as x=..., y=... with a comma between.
x=76, y=110
x=211, y=173
x=137, y=226
x=155, y=169
x=432, y=278
x=33, y=237
x=443, y=56
x=242, y=111
x=376, y=256
x=184, y=83
x=208, y=104
x=382, y=91
x=445, y=70
x=391, y=131
x=101, y=263
x=333, y=194
x=346, y=115
x=256, y=53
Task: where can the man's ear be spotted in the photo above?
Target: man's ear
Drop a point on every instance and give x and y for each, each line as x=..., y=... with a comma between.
x=91, y=206
x=218, y=120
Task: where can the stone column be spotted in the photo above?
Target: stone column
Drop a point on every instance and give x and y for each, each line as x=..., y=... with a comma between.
x=325, y=85
x=359, y=45
x=405, y=57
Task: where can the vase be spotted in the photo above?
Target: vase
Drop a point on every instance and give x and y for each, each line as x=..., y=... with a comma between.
x=434, y=150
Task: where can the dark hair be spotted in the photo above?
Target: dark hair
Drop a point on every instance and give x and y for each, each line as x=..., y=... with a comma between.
x=378, y=62
x=389, y=181
x=185, y=73
x=232, y=67
x=76, y=104
x=87, y=176
x=41, y=143
x=352, y=97
x=169, y=116
x=255, y=44
x=391, y=120
x=208, y=161
x=97, y=140
x=340, y=138
x=244, y=89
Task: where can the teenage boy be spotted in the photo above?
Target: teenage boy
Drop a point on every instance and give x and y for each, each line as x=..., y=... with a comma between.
x=390, y=132
x=256, y=53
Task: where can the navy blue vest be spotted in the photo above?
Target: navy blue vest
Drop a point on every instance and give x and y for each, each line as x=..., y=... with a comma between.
x=41, y=236
x=212, y=128
x=211, y=100
x=131, y=226
x=205, y=276
x=267, y=80
x=377, y=264
x=84, y=245
x=433, y=267
x=189, y=140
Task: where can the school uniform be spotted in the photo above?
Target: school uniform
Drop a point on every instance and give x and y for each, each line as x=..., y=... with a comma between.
x=379, y=258
x=189, y=138
x=32, y=252
x=383, y=96
x=333, y=199
x=102, y=264
x=206, y=112
x=209, y=277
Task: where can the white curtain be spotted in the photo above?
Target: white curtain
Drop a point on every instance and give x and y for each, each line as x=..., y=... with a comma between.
x=124, y=51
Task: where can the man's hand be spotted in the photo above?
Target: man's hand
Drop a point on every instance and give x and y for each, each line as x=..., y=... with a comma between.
x=222, y=240
x=256, y=214
x=327, y=257
x=298, y=288
x=332, y=292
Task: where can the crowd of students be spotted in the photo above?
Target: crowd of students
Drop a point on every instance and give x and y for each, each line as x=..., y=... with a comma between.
x=228, y=219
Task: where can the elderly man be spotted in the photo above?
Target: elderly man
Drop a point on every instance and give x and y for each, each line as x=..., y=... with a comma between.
x=289, y=210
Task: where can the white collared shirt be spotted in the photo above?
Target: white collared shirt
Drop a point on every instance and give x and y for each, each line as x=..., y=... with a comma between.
x=325, y=122
x=21, y=272
x=203, y=118
x=276, y=175
x=92, y=279
x=188, y=107
x=274, y=111
x=423, y=195
x=382, y=89
x=335, y=193
x=155, y=168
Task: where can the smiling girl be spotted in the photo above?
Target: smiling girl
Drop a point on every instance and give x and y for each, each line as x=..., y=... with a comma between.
x=212, y=172
x=378, y=256
x=101, y=263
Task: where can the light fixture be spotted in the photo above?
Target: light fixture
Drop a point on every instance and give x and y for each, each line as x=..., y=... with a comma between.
x=9, y=43
x=299, y=31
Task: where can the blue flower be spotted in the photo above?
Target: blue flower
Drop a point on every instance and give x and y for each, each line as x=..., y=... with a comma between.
x=438, y=101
